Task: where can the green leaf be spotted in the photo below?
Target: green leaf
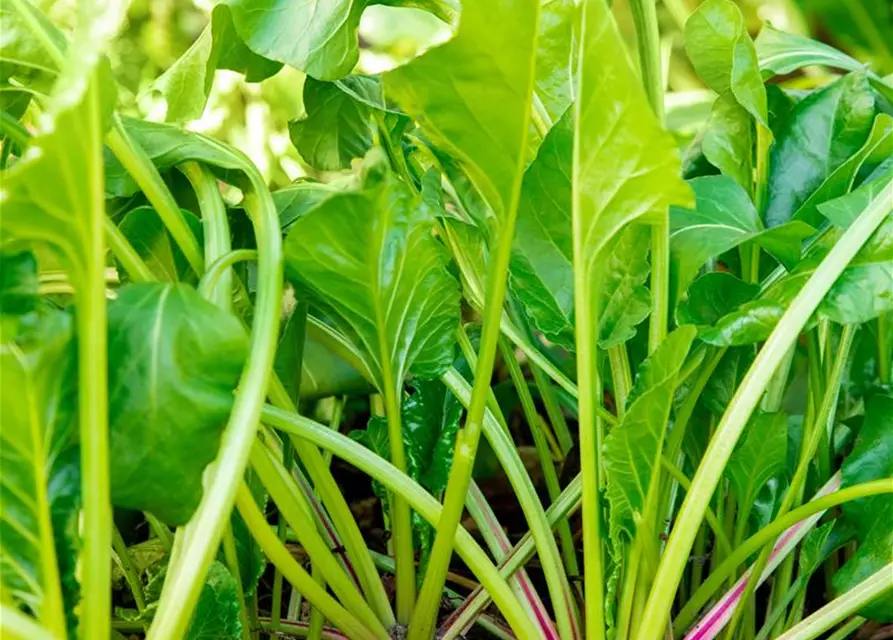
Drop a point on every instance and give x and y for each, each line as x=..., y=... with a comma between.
x=724, y=217
x=821, y=132
x=781, y=53
x=632, y=449
x=627, y=300
x=18, y=283
x=728, y=140
x=877, y=147
x=337, y=127
x=472, y=96
x=559, y=23
x=174, y=359
x=216, y=615
x=251, y=559
x=871, y=459
x=430, y=421
x=863, y=26
x=298, y=198
x=712, y=296
x=721, y=386
x=751, y=323
x=844, y=210
x=760, y=455
x=369, y=260
x=40, y=483
x=723, y=55
x=155, y=245
x=187, y=83
x=22, y=52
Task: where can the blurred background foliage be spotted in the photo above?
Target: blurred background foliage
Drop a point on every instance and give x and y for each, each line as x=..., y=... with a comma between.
x=254, y=116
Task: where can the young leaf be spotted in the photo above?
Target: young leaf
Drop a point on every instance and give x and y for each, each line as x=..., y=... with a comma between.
x=337, y=127
x=632, y=449
x=781, y=53
x=38, y=492
x=760, y=455
x=216, y=615
x=728, y=140
x=871, y=459
x=724, y=217
x=174, y=359
x=369, y=259
x=187, y=83
x=472, y=95
x=722, y=53
x=820, y=134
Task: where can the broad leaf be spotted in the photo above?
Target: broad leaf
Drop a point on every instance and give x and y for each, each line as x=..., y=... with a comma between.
x=878, y=147
x=728, y=140
x=22, y=52
x=155, y=245
x=40, y=484
x=18, y=283
x=369, y=260
x=760, y=454
x=871, y=459
x=721, y=386
x=632, y=449
x=781, y=53
x=216, y=615
x=337, y=127
x=820, y=134
x=298, y=198
x=558, y=26
x=187, y=83
x=844, y=210
x=472, y=96
x=724, y=56
x=430, y=420
x=174, y=359
x=712, y=296
x=863, y=26
x=724, y=217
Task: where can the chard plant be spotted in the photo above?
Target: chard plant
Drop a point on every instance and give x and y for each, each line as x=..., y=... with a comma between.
x=688, y=304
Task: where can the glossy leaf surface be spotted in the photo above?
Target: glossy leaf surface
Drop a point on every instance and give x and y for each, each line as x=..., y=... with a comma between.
x=760, y=455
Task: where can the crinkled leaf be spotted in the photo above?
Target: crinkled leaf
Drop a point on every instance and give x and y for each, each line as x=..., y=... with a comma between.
x=723, y=218
x=781, y=53
x=369, y=259
x=337, y=128
x=216, y=615
x=558, y=26
x=40, y=483
x=877, y=147
x=712, y=296
x=155, y=245
x=430, y=420
x=760, y=454
x=871, y=459
x=174, y=359
x=820, y=134
x=632, y=449
x=627, y=299
x=472, y=96
x=722, y=53
x=728, y=140
x=187, y=83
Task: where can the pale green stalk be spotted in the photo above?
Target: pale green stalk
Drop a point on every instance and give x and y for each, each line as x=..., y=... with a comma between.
x=232, y=563
x=741, y=407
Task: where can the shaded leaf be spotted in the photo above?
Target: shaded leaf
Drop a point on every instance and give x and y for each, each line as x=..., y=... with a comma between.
x=40, y=484
x=216, y=615
x=722, y=53
x=430, y=421
x=760, y=454
x=472, y=95
x=712, y=296
x=155, y=245
x=174, y=359
x=632, y=449
x=821, y=132
x=728, y=140
x=871, y=459
x=18, y=283
x=369, y=260
x=298, y=198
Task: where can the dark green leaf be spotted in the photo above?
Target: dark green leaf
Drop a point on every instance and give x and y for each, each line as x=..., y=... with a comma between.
x=820, y=134
x=174, y=359
x=760, y=454
x=712, y=296
x=337, y=128
x=369, y=260
x=472, y=96
x=724, y=56
x=724, y=217
x=251, y=559
x=859, y=25
x=844, y=210
x=18, y=283
x=187, y=83
x=216, y=615
x=721, y=386
x=627, y=299
x=871, y=459
x=877, y=147
x=781, y=53
x=40, y=483
x=430, y=421
x=632, y=449
x=154, y=244
x=298, y=198
x=728, y=140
